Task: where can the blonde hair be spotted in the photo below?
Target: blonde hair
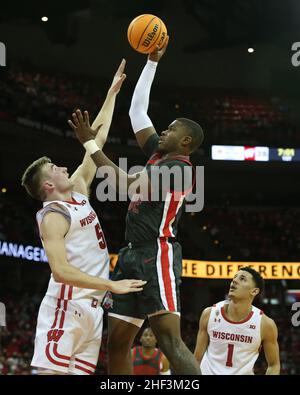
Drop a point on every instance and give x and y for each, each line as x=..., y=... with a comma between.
x=32, y=178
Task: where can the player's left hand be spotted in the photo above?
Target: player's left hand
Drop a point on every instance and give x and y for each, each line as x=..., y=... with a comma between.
x=119, y=78
x=81, y=126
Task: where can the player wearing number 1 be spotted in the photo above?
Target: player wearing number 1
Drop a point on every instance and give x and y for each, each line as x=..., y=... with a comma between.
x=231, y=332
x=69, y=326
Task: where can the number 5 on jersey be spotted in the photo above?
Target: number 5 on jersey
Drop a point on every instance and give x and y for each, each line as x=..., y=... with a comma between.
x=100, y=236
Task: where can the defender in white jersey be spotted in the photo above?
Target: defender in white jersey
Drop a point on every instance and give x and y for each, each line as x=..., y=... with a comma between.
x=69, y=325
x=232, y=332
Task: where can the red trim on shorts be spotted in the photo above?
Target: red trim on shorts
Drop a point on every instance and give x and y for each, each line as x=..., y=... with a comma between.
x=170, y=216
x=234, y=322
x=65, y=365
x=83, y=369
x=61, y=324
x=70, y=293
x=56, y=314
x=55, y=318
x=261, y=312
x=91, y=365
x=62, y=319
x=165, y=268
x=63, y=314
x=58, y=355
x=62, y=291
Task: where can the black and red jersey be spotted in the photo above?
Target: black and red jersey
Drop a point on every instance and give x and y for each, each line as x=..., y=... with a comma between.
x=144, y=365
x=150, y=220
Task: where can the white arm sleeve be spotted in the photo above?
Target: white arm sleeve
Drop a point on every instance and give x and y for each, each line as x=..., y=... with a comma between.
x=140, y=99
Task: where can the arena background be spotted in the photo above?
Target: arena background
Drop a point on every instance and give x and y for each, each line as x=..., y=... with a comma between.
x=251, y=211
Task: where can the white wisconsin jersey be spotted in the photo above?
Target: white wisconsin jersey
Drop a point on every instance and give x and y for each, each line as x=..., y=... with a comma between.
x=233, y=346
x=85, y=246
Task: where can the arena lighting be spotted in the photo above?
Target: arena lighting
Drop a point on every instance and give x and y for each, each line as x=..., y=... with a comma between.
x=3, y=190
x=44, y=19
x=250, y=50
x=190, y=268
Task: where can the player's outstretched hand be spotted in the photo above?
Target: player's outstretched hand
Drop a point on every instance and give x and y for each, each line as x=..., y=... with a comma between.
x=81, y=126
x=119, y=78
x=127, y=286
x=157, y=54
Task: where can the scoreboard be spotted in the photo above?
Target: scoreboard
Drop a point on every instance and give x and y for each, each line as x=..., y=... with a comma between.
x=257, y=154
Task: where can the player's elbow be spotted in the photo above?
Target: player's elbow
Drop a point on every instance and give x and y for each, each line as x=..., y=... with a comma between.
x=59, y=275
x=132, y=111
x=274, y=367
x=135, y=109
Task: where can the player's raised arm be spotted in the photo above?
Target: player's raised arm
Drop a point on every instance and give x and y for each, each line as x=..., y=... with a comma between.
x=270, y=345
x=202, y=337
x=143, y=128
x=84, y=133
x=85, y=173
x=53, y=230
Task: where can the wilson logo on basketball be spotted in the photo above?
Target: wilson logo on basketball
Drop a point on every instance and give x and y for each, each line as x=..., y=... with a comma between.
x=55, y=335
x=163, y=36
x=150, y=36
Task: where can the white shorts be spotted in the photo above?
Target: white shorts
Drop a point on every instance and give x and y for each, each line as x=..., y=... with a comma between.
x=68, y=335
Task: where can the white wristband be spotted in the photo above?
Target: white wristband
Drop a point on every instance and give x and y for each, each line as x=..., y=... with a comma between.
x=91, y=147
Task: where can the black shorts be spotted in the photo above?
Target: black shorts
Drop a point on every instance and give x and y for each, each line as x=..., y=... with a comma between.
x=160, y=264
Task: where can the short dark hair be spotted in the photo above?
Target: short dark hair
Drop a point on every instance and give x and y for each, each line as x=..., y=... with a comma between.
x=194, y=130
x=257, y=278
x=32, y=177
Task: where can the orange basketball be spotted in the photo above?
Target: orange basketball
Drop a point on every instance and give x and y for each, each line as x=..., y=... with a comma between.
x=145, y=32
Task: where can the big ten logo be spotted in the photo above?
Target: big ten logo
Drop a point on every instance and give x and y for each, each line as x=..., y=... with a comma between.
x=2, y=315
x=296, y=316
x=2, y=54
x=295, y=58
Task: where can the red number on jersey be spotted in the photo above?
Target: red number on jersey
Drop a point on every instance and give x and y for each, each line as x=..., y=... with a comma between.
x=229, y=355
x=100, y=236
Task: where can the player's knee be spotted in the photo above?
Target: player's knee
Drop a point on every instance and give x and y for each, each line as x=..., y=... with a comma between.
x=169, y=341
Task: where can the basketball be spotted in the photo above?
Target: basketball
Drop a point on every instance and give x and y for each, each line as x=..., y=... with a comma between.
x=145, y=32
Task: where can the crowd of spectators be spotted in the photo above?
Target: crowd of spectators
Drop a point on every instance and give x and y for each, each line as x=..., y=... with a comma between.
x=252, y=233
x=233, y=118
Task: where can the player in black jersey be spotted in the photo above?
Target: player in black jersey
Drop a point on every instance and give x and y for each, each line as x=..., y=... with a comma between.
x=152, y=253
